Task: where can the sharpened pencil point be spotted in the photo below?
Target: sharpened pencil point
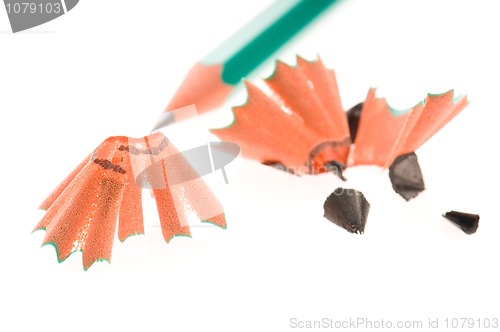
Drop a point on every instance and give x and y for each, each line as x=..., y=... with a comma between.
x=165, y=119
x=203, y=86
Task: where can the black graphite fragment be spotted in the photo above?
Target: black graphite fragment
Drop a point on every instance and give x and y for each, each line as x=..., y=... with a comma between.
x=279, y=166
x=347, y=208
x=336, y=168
x=467, y=222
x=353, y=116
x=406, y=176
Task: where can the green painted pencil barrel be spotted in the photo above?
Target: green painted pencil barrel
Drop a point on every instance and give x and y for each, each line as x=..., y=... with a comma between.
x=264, y=35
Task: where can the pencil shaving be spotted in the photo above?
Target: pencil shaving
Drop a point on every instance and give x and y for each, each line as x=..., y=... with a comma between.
x=315, y=135
x=83, y=211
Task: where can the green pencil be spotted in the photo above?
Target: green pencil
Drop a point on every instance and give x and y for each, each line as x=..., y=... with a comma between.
x=212, y=79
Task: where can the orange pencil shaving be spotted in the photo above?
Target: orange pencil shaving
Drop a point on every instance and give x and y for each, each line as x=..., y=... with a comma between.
x=303, y=126
x=83, y=211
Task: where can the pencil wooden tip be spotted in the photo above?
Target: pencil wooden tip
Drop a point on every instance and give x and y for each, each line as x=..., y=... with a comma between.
x=202, y=86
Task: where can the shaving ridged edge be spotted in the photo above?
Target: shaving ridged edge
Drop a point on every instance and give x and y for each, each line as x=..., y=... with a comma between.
x=425, y=120
x=83, y=217
x=377, y=132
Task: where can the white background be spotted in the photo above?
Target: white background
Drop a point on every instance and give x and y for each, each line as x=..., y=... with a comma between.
x=109, y=68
